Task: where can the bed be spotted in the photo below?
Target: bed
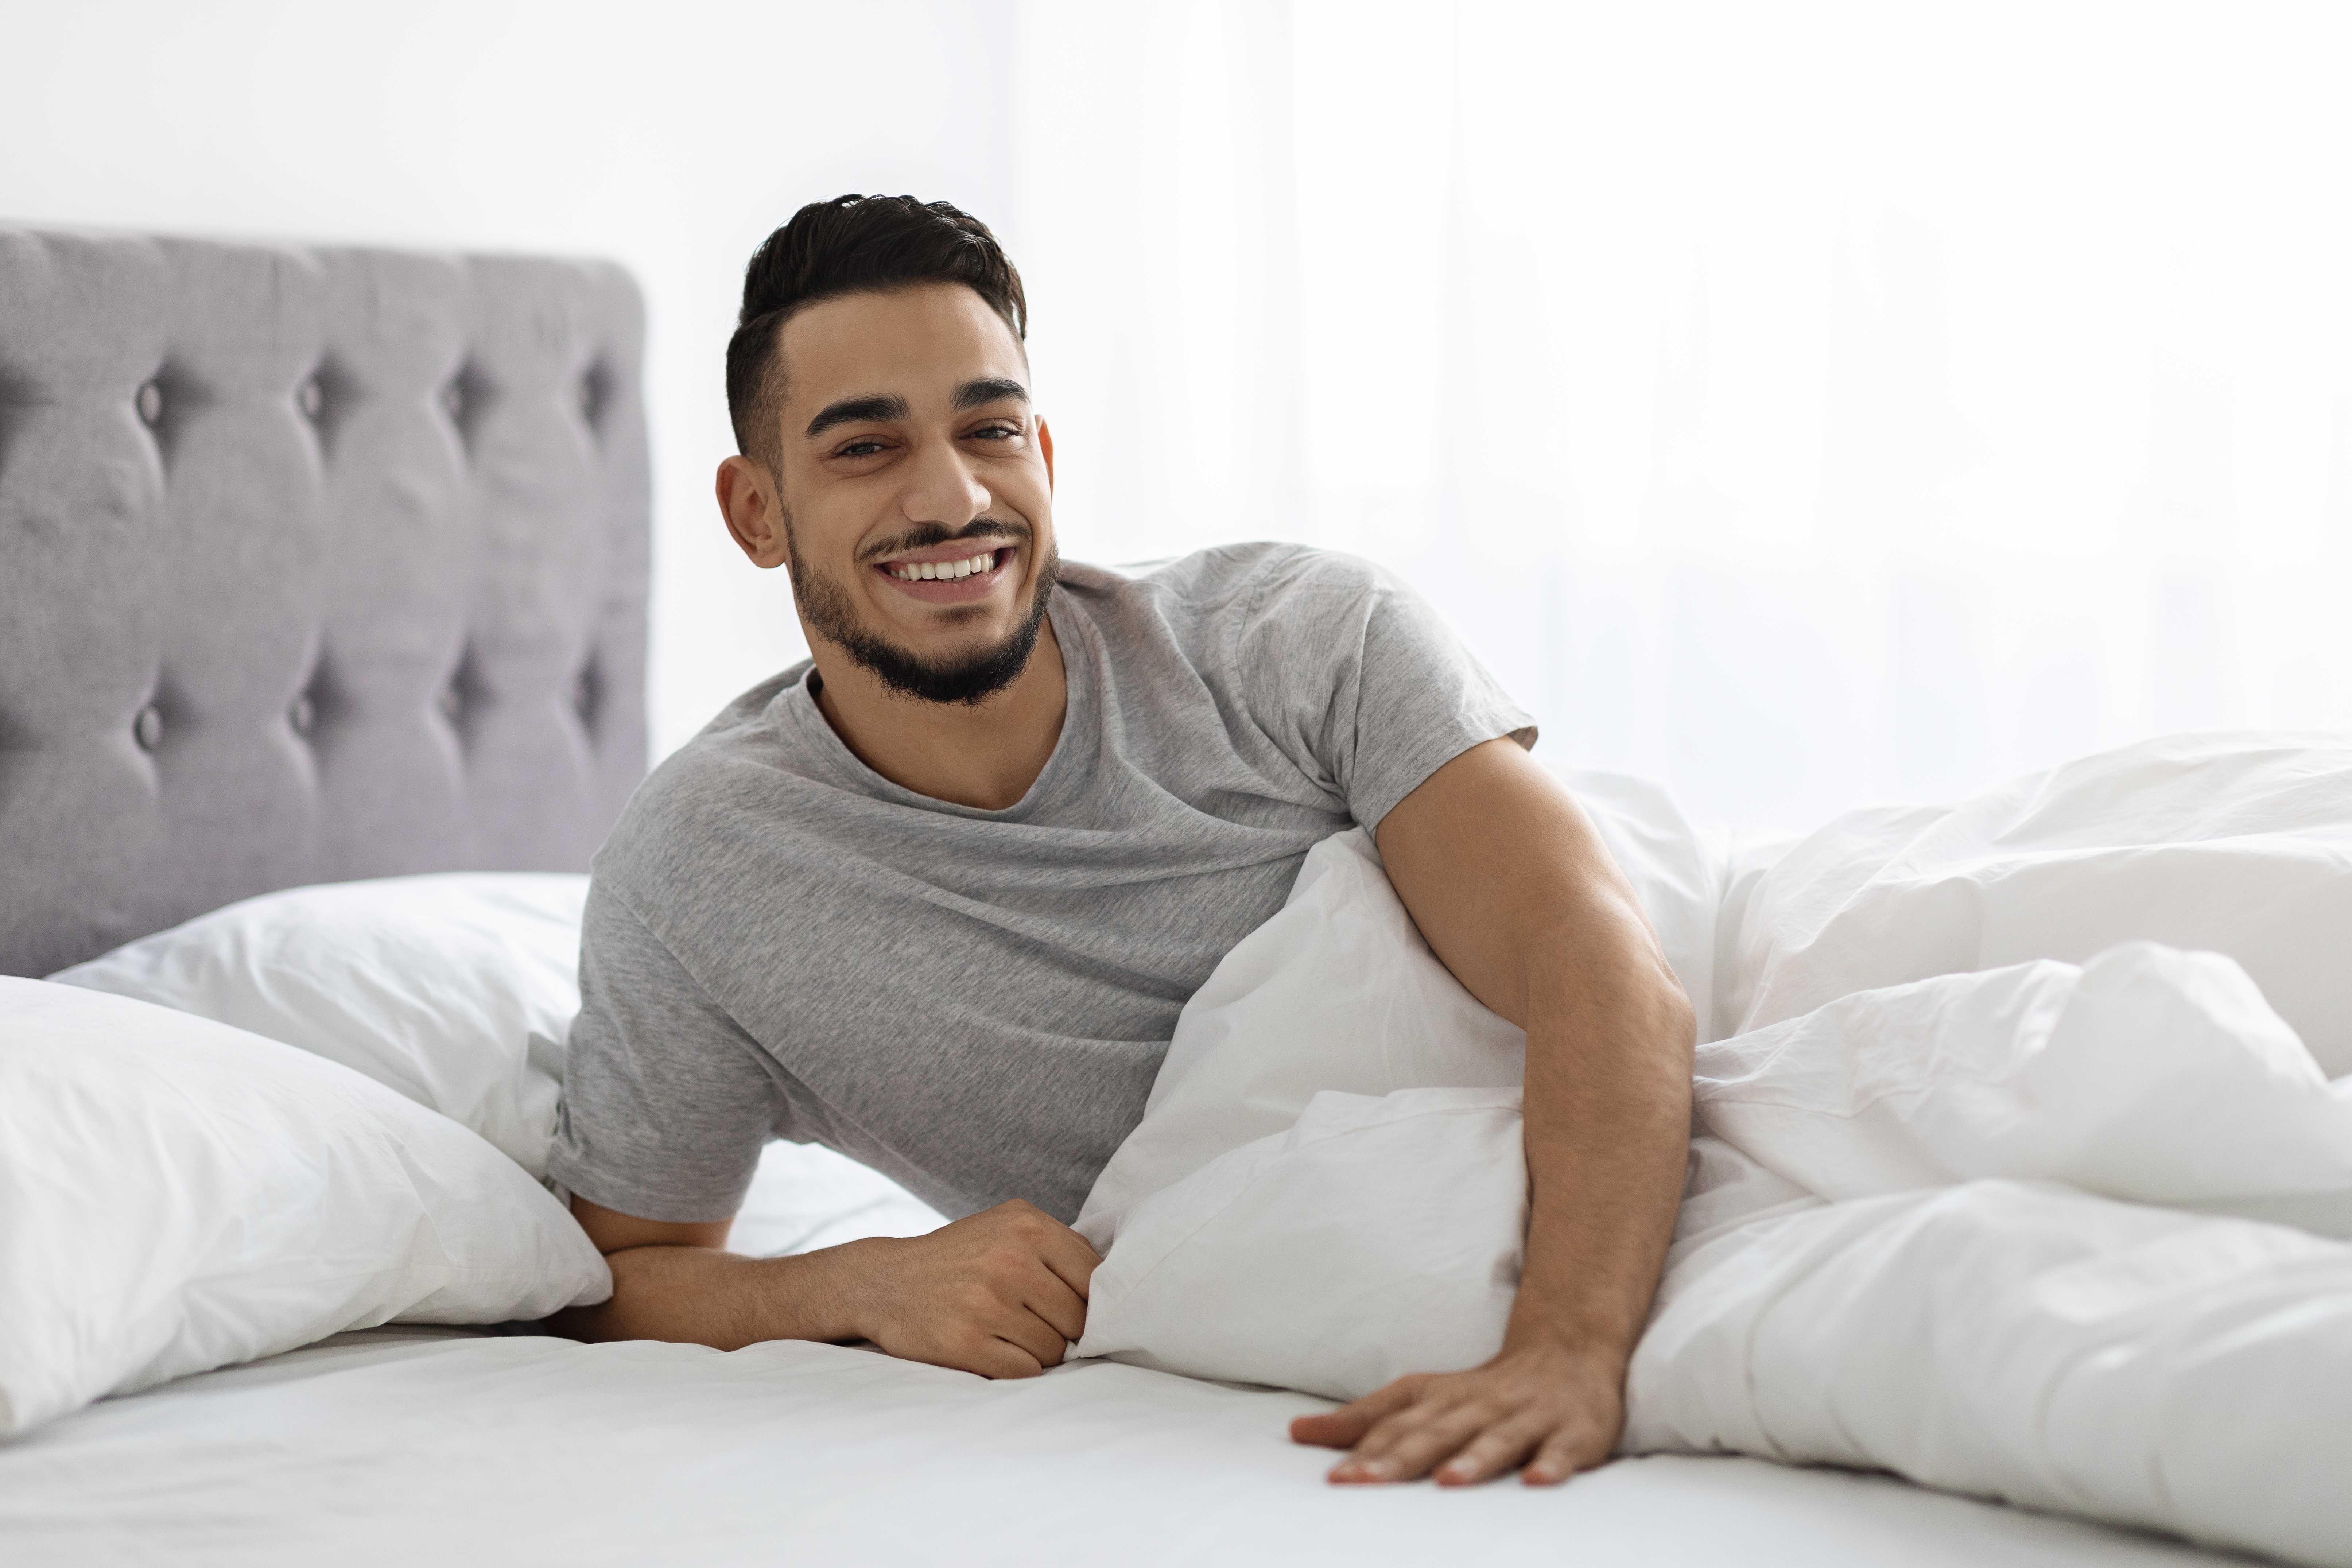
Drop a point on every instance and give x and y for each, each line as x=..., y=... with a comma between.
x=322, y=564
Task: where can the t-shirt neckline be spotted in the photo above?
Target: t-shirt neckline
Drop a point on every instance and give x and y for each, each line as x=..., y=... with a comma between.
x=1075, y=639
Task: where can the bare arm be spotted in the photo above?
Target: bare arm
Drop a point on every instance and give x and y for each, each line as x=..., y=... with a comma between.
x=1514, y=893
x=1001, y=1292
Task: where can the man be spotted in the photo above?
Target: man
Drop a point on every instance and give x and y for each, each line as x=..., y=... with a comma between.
x=935, y=897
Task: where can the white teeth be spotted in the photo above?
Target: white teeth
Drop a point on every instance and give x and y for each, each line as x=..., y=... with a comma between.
x=934, y=571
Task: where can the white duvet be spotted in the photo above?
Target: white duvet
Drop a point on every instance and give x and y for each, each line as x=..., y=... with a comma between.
x=1982, y=1230
x=1999, y=1220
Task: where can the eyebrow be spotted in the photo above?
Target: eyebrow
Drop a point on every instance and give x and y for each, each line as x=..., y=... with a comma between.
x=873, y=407
x=973, y=394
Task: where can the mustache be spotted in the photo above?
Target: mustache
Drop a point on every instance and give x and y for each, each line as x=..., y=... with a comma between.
x=925, y=535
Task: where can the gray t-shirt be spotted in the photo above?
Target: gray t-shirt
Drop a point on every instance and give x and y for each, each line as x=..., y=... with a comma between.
x=783, y=943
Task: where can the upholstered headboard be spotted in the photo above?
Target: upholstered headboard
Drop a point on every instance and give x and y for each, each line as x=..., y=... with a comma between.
x=314, y=564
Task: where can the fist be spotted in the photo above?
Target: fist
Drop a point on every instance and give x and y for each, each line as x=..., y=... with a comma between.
x=1001, y=1293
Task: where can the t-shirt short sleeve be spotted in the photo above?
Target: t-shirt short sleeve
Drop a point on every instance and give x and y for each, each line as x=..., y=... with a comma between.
x=1359, y=682
x=666, y=1104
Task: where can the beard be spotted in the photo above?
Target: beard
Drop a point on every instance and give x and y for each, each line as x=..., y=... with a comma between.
x=970, y=677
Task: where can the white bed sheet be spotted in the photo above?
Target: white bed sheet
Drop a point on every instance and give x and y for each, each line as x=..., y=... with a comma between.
x=406, y=1445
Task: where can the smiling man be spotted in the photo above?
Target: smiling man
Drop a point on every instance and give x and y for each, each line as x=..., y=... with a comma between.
x=935, y=896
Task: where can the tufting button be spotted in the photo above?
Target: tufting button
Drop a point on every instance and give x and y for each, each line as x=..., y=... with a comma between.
x=150, y=402
x=302, y=715
x=311, y=398
x=451, y=704
x=453, y=402
x=147, y=729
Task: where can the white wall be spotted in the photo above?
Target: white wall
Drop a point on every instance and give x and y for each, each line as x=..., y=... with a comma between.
x=670, y=137
x=1801, y=404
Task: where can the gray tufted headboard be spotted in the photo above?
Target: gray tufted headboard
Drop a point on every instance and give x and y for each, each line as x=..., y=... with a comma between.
x=314, y=564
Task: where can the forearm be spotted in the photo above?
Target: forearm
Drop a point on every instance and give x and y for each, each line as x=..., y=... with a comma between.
x=700, y=1295
x=1610, y=1034
x=1513, y=888
x=1607, y=1129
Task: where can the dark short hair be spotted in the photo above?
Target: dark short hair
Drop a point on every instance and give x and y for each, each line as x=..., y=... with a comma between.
x=852, y=244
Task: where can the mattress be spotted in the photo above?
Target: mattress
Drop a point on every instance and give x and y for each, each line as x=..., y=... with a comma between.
x=443, y=1446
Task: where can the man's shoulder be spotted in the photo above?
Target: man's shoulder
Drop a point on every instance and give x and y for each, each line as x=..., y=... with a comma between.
x=687, y=807
x=1248, y=580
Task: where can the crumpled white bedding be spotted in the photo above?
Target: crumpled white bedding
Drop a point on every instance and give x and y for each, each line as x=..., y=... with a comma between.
x=2056, y=1341
x=1923, y=1229
x=2236, y=844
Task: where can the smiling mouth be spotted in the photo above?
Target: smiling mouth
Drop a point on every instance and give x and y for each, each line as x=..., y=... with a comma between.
x=980, y=563
x=965, y=579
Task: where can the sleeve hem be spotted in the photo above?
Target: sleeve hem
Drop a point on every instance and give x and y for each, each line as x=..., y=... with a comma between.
x=638, y=1201
x=1402, y=775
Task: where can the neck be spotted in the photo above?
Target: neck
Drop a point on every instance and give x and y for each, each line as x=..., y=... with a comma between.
x=985, y=755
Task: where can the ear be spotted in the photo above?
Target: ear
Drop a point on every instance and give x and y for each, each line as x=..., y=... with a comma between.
x=1046, y=445
x=754, y=512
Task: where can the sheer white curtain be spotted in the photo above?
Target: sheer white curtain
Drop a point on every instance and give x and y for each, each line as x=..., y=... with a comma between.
x=1802, y=404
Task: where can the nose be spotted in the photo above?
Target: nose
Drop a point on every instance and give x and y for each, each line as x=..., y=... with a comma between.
x=941, y=487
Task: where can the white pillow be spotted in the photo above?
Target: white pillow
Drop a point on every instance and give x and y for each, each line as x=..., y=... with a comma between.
x=1376, y=1237
x=1338, y=991
x=455, y=989
x=176, y=1195
x=1283, y=1213
x=2233, y=844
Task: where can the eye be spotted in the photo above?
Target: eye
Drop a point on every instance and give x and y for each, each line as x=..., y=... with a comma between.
x=998, y=432
x=865, y=447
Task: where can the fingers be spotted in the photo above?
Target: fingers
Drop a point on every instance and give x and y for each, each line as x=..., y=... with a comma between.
x=1066, y=1252
x=1054, y=1301
x=1498, y=1447
x=1036, y=1339
x=1346, y=1426
x=1002, y=1293
x=1466, y=1428
x=980, y=1353
x=997, y=1358
x=1561, y=1455
x=1407, y=1445
x=1055, y=1244
x=1042, y=1288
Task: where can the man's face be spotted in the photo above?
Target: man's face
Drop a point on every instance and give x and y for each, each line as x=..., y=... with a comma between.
x=916, y=489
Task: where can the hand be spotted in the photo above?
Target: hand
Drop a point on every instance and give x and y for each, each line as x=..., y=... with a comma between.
x=1555, y=1409
x=1001, y=1293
